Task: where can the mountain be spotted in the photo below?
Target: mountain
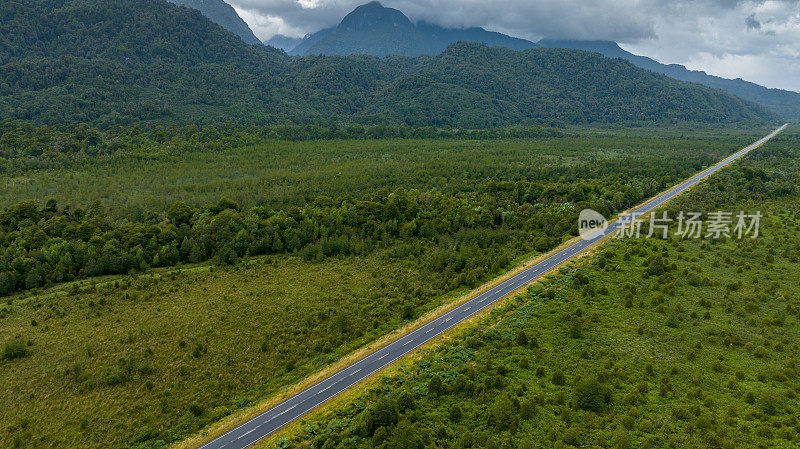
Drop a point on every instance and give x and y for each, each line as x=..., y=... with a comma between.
x=152, y=62
x=474, y=83
x=784, y=102
x=126, y=61
x=285, y=43
x=441, y=37
x=373, y=29
x=224, y=15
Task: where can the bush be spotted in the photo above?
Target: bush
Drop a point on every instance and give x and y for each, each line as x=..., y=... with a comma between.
x=522, y=338
x=384, y=413
x=558, y=378
x=405, y=402
x=591, y=395
x=455, y=414
x=768, y=403
x=408, y=311
x=528, y=408
x=576, y=328
x=14, y=349
x=435, y=386
x=503, y=414
x=196, y=410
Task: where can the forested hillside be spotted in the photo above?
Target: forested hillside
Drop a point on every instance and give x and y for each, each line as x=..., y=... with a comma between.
x=224, y=15
x=135, y=61
x=379, y=31
x=784, y=102
x=558, y=85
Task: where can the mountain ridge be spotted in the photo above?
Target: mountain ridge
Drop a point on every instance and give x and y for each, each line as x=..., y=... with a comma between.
x=152, y=62
x=430, y=39
x=354, y=35
x=224, y=15
x=784, y=102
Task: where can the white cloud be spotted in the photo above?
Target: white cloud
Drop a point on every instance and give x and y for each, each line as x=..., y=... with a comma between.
x=758, y=40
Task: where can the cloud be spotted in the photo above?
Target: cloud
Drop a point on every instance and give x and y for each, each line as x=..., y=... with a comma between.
x=755, y=39
x=752, y=23
x=574, y=19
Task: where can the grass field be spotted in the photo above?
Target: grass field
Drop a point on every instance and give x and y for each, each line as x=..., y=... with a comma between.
x=108, y=366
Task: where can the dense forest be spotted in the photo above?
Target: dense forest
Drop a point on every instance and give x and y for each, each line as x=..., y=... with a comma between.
x=786, y=103
x=43, y=243
x=134, y=61
x=372, y=29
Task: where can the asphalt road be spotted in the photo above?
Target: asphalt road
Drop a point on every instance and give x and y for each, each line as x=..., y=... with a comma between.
x=287, y=411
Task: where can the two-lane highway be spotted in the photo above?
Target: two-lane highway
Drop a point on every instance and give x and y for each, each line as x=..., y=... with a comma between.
x=287, y=411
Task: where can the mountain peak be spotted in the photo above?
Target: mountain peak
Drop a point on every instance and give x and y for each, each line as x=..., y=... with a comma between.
x=377, y=30
x=372, y=16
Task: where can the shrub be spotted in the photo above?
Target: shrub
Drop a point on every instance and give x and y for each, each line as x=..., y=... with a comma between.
x=591, y=395
x=455, y=413
x=522, y=338
x=435, y=386
x=528, y=409
x=558, y=378
x=385, y=412
x=503, y=414
x=14, y=349
x=405, y=402
x=408, y=311
x=768, y=403
x=576, y=328
x=196, y=410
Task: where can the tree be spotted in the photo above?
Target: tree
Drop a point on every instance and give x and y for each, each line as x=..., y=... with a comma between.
x=558, y=378
x=383, y=413
x=656, y=266
x=386, y=412
x=503, y=414
x=406, y=436
x=7, y=284
x=405, y=401
x=522, y=337
x=591, y=395
x=435, y=386
x=180, y=213
x=227, y=256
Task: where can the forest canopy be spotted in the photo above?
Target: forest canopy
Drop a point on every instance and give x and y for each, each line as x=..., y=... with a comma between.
x=131, y=61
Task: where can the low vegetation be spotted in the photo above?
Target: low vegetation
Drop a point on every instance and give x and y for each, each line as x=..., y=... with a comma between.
x=611, y=353
x=146, y=358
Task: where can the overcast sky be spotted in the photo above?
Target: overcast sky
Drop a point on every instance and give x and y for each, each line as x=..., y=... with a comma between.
x=755, y=40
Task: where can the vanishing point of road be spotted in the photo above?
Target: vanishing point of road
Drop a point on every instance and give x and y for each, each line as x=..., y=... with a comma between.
x=289, y=410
